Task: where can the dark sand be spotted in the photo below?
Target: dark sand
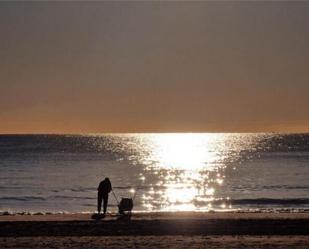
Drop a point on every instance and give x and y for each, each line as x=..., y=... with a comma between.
x=157, y=230
x=157, y=242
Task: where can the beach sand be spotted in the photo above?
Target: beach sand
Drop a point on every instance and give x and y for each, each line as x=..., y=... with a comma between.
x=153, y=242
x=156, y=230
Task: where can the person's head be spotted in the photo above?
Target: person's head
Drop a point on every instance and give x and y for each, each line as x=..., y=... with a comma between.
x=106, y=179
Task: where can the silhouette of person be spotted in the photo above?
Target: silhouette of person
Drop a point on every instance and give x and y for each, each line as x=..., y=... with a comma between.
x=104, y=188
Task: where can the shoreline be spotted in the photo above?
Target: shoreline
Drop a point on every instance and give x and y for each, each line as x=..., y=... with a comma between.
x=80, y=216
x=114, y=211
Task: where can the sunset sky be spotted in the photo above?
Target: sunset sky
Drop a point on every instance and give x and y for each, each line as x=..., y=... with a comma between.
x=72, y=67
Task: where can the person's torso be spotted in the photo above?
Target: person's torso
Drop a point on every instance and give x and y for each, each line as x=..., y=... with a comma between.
x=104, y=187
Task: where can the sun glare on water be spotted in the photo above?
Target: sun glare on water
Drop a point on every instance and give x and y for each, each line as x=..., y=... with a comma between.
x=187, y=167
x=183, y=151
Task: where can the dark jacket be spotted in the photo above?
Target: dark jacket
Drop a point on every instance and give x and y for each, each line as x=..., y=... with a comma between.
x=105, y=187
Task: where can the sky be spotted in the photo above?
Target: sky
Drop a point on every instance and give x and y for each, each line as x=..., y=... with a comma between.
x=90, y=67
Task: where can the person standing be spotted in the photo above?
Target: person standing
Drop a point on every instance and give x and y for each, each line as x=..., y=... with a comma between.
x=104, y=188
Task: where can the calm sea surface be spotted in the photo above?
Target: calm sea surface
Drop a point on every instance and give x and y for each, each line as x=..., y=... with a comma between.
x=163, y=172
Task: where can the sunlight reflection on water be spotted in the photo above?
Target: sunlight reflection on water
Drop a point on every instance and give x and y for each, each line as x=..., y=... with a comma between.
x=178, y=171
x=189, y=168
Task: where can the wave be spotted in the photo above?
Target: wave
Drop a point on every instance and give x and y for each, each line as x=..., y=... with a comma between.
x=270, y=201
x=257, y=203
x=37, y=198
x=265, y=201
x=82, y=189
x=253, y=201
x=268, y=187
x=139, y=187
x=22, y=198
x=71, y=197
x=249, y=210
x=286, y=187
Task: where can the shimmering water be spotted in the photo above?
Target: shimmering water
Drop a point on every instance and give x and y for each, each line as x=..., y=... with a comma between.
x=165, y=172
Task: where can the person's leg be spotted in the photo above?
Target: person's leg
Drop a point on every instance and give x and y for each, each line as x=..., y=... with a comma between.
x=105, y=201
x=99, y=202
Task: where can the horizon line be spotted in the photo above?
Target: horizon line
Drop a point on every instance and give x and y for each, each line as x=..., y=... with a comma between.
x=163, y=132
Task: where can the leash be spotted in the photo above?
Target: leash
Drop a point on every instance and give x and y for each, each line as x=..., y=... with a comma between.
x=115, y=196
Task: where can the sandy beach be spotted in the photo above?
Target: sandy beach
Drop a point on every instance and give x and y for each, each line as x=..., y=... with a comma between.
x=156, y=230
x=179, y=241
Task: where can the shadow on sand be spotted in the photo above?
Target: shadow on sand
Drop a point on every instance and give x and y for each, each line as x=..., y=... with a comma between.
x=124, y=217
x=119, y=217
x=97, y=216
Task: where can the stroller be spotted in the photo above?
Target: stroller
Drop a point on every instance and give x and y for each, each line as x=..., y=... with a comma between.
x=125, y=205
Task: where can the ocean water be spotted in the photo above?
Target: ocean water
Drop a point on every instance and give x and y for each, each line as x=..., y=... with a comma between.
x=162, y=172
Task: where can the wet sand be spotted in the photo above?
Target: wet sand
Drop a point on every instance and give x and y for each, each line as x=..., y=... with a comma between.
x=157, y=242
x=156, y=230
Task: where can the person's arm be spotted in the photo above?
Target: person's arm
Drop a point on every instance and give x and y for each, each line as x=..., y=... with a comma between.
x=100, y=187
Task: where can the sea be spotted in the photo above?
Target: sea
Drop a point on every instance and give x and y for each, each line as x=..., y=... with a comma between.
x=211, y=172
